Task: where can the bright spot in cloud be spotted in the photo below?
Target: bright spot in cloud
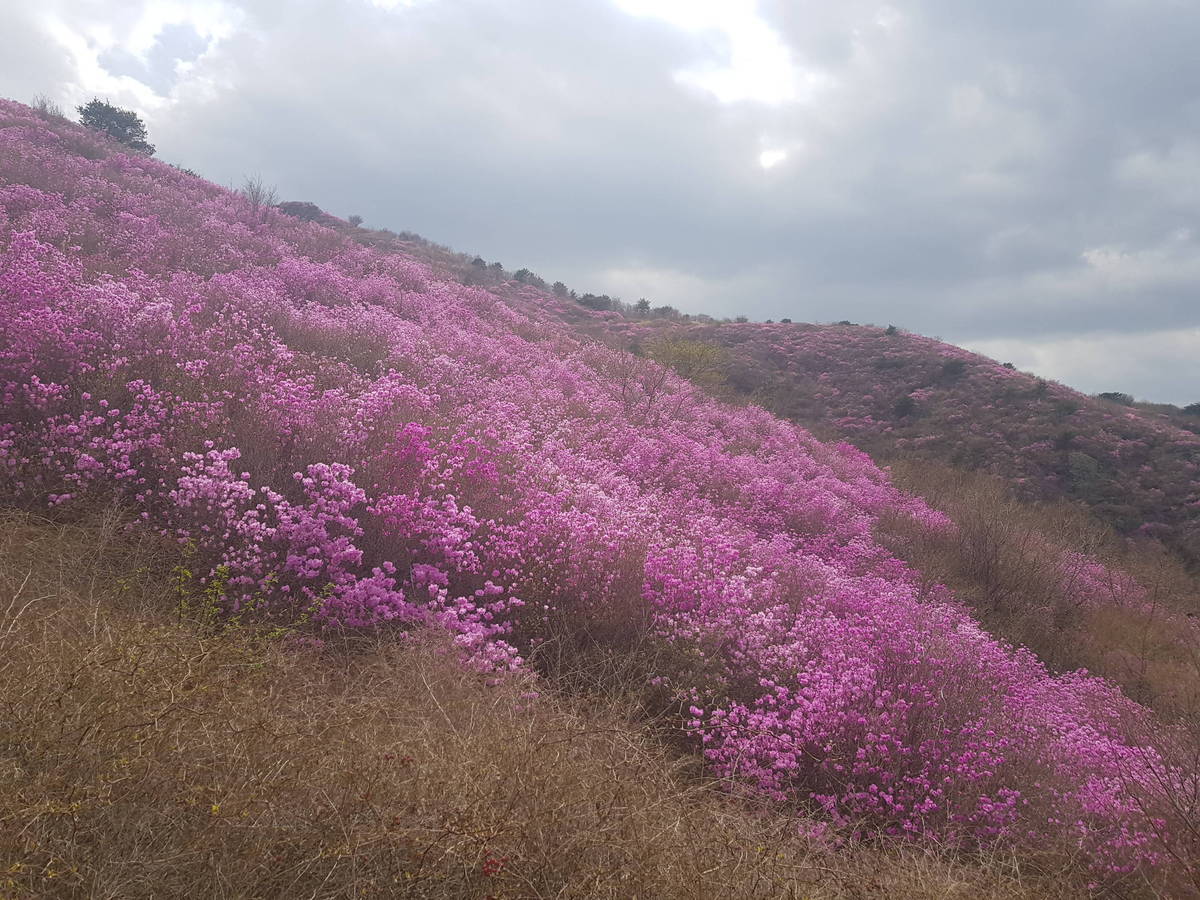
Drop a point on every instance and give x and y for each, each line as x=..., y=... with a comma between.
x=759, y=66
x=770, y=158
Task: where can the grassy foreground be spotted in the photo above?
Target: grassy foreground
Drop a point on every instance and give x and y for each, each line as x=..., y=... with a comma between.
x=142, y=755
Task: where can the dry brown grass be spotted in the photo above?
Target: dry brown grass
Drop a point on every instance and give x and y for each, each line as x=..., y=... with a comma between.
x=1003, y=562
x=142, y=756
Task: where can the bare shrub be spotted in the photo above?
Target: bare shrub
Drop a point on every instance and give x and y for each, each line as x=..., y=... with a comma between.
x=261, y=199
x=48, y=109
x=702, y=363
x=85, y=143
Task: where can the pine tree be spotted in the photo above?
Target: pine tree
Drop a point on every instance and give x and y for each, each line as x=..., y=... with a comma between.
x=122, y=125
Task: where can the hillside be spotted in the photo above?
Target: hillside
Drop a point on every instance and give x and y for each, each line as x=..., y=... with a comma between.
x=341, y=440
x=1045, y=561
x=903, y=395
x=899, y=395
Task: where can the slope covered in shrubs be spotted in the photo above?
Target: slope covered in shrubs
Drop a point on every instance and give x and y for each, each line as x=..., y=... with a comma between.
x=1050, y=577
x=901, y=395
x=1038, y=558
x=340, y=439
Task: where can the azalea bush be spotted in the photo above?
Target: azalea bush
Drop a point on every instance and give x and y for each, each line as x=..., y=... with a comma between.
x=341, y=436
x=906, y=396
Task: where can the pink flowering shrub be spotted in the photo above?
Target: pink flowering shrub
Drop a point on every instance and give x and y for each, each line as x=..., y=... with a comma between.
x=335, y=432
x=910, y=396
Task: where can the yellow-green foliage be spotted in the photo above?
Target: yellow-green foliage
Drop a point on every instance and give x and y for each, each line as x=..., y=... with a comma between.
x=701, y=363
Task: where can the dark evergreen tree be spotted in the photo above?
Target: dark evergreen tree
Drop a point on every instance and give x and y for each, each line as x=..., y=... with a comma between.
x=121, y=125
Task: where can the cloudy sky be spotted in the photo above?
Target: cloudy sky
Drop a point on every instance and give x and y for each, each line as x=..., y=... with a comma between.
x=1021, y=177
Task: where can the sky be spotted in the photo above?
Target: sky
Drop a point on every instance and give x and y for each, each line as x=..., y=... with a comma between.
x=1021, y=178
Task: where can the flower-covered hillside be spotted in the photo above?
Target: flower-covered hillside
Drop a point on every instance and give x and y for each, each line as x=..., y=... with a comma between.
x=896, y=394
x=1078, y=595
x=337, y=436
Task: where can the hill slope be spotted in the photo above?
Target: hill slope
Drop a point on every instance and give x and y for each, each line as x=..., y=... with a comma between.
x=341, y=439
x=900, y=395
x=1045, y=552
x=905, y=395
x=145, y=755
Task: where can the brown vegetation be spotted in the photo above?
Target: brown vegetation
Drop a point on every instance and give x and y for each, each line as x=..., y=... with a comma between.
x=143, y=755
x=1005, y=561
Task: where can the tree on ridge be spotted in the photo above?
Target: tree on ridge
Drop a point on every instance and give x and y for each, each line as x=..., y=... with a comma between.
x=122, y=125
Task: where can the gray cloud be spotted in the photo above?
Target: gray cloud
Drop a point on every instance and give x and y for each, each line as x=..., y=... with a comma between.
x=1017, y=175
x=174, y=44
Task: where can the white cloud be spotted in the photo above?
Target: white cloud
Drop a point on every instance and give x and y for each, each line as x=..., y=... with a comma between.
x=211, y=19
x=1162, y=366
x=86, y=36
x=1172, y=173
x=685, y=291
x=1173, y=261
x=83, y=47
x=391, y=5
x=755, y=64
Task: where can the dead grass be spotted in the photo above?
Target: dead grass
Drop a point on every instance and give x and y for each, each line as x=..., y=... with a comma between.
x=141, y=756
x=1003, y=561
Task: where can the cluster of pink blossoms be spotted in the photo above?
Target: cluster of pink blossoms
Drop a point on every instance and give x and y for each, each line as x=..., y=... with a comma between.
x=342, y=433
x=895, y=392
